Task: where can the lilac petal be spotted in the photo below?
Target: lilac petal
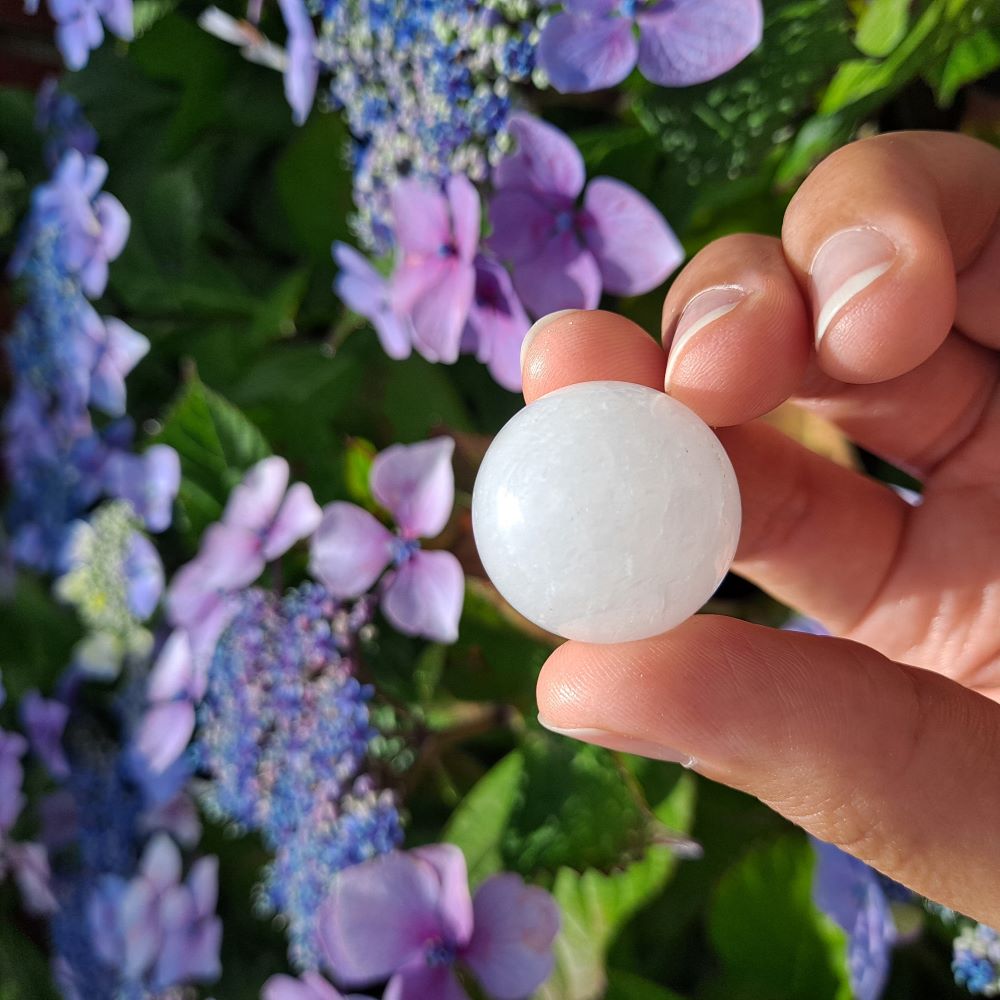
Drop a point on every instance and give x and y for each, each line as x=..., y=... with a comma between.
x=302, y=66
x=117, y=16
x=378, y=917
x=839, y=883
x=425, y=595
x=455, y=903
x=44, y=721
x=592, y=8
x=141, y=928
x=164, y=733
x=564, y=275
x=12, y=748
x=189, y=598
x=423, y=982
x=465, y=214
x=143, y=576
x=203, y=881
x=230, y=557
x=581, y=54
x=420, y=215
x=349, y=550
x=545, y=160
x=522, y=222
x=59, y=819
x=103, y=919
x=437, y=296
x=254, y=503
x=190, y=949
x=161, y=863
x=634, y=246
x=73, y=43
x=497, y=324
x=511, y=948
x=416, y=484
x=869, y=946
x=298, y=517
x=114, y=221
x=204, y=636
x=34, y=878
x=178, y=817
x=683, y=42
x=118, y=349
x=312, y=986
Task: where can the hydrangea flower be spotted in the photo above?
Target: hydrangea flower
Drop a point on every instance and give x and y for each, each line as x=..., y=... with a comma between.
x=155, y=930
x=311, y=986
x=976, y=960
x=853, y=894
x=149, y=481
x=593, y=44
x=301, y=64
x=409, y=917
x=60, y=117
x=423, y=592
x=44, y=721
x=114, y=580
x=564, y=254
x=116, y=350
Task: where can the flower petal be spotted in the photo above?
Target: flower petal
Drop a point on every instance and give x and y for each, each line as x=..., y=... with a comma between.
x=349, y=550
x=420, y=215
x=522, y=222
x=423, y=982
x=564, y=275
x=44, y=721
x=298, y=517
x=498, y=323
x=164, y=733
x=254, y=503
x=439, y=316
x=455, y=903
x=34, y=877
x=683, y=42
x=634, y=246
x=143, y=576
x=312, y=986
x=425, y=595
x=161, y=863
x=511, y=948
x=581, y=54
x=230, y=557
x=378, y=917
x=171, y=674
x=545, y=160
x=416, y=484
x=466, y=211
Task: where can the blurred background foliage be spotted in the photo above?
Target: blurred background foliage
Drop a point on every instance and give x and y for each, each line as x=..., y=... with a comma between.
x=228, y=272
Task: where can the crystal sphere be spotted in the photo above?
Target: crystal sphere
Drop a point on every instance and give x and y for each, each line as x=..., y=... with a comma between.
x=606, y=512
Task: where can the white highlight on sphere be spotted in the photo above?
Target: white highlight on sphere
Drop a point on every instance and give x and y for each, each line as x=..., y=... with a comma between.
x=606, y=512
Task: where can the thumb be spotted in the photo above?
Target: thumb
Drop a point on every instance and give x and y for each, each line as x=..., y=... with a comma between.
x=891, y=763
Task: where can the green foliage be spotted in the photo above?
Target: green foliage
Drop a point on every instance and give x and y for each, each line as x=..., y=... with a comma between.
x=216, y=444
x=881, y=26
x=771, y=939
x=24, y=970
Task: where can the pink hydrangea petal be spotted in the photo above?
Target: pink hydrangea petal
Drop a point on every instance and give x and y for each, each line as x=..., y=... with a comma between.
x=254, y=503
x=349, y=550
x=582, y=54
x=311, y=986
x=635, y=248
x=378, y=917
x=174, y=668
x=421, y=219
x=564, y=275
x=498, y=324
x=161, y=863
x=164, y=732
x=425, y=595
x=141, y=928
x=230, y=556
x=423, y=982
x=455, y=903
x=466, y=210
x=511, y=947
x=30, y=863
x=298, y=517
x=438, y=317
x=545, y=159
x=416, y=484
x=203, y=881
x=521, y=222
x=683, y=42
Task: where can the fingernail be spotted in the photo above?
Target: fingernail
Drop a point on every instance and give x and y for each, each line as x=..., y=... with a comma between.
x=705, y=308
x=538, y=325
x=845, y=265
x=623, y=743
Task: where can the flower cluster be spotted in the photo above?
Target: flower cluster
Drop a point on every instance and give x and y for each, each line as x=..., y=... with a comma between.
x=64, y=359
x=80, y=25
x=423, y=592
x=554, y=245
x=283, y=737
x=976, y=960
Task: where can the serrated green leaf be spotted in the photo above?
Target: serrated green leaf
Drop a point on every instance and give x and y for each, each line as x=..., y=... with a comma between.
x=772, y=940
x=595, y=906
x=216, y=443
x=882, y=26
x=577, y=808
x=478, y=824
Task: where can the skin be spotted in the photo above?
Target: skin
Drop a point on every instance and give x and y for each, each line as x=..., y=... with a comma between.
x=885, y=739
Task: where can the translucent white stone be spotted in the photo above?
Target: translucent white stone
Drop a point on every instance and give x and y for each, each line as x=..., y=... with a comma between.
x=606, y=512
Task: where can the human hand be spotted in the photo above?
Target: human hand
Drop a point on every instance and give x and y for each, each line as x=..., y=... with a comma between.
x=884, y=740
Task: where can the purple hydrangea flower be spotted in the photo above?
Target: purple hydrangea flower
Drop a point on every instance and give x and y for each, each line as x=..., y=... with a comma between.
x=44, y=720
x=117, y=349
x=423, y=592
x=311, y=986
x=365, y=291
x=853, y=895
x=301, y=64
x=437, y=235
x=149, y=481
x=976, y=960
x=409, y=918
x=594, y=44
x=13, y=747
x=61, y=118
x=563, y=254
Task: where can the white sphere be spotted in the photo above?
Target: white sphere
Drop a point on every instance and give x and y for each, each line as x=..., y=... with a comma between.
x=606, y=512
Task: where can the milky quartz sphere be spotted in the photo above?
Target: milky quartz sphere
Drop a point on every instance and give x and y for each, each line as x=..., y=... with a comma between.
x=606, y=511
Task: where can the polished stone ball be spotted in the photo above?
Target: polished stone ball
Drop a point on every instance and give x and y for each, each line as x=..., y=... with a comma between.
x=606, y=512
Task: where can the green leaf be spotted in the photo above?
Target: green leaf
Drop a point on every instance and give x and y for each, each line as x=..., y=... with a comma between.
x=626, y=986
x=596, y=906
x=24, y=971
x=358, y=458
x=772, y=940
x=882, y=26
x=477, y=825
x=972, y=57
x=216, y=444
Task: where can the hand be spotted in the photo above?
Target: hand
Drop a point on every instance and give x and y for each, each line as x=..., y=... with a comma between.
x=886, y=740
